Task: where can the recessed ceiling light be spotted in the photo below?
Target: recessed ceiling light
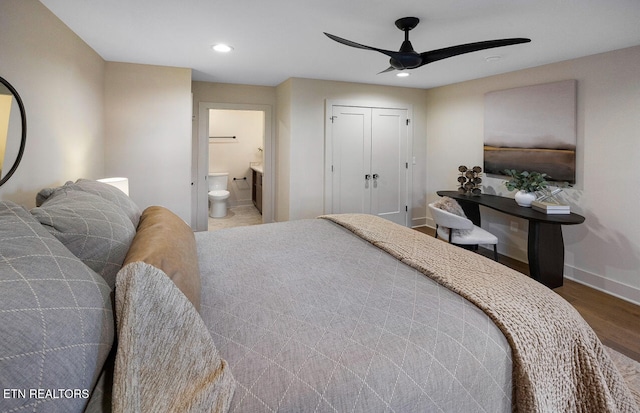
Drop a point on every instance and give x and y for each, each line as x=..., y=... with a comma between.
x=403, y=74
x=222, y=48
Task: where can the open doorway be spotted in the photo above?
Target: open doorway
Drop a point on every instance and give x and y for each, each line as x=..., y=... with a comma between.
x=226, y=142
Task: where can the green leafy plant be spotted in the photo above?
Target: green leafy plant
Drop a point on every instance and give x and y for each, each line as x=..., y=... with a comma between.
x=525, y=180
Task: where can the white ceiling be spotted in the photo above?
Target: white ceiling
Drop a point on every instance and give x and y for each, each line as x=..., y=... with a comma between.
x=278, y=39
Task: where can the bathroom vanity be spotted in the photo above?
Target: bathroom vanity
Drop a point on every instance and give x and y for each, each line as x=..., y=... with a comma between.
x=256, y=188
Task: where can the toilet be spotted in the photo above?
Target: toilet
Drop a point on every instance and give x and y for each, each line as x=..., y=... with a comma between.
x=218, y=194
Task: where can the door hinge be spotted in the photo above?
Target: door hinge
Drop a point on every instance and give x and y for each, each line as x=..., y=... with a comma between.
x=406, y=208
x=408, y=120
x=332, y=118
x=331, y=168
x=406, y=165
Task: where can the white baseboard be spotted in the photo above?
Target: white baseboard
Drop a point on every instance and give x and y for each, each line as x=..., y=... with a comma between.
x=425, y=222
x=418, y=222
x=600, y=283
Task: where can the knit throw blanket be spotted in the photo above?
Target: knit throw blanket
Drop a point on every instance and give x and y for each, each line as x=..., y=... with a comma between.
x=559, y=365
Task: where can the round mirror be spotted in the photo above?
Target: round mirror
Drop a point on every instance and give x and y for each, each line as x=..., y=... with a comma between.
x=13, y=130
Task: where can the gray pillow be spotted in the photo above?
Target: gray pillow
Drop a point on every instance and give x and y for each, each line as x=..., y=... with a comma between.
x=112, y=194
x=94, y=229
x=103, y=190
x=56, y=319
x=450, y=205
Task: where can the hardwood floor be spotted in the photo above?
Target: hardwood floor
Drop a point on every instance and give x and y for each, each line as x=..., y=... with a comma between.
x=615, y=321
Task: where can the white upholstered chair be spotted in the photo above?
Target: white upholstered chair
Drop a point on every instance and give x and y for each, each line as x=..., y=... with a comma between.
x=467, y=233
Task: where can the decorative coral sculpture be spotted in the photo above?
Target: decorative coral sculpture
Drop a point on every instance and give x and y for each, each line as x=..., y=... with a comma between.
x=470, y=180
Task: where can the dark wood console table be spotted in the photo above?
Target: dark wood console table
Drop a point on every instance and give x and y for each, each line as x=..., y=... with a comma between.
x=545, y=247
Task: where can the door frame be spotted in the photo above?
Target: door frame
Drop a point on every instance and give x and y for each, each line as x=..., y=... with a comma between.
x=328, y=147
x=200, y=220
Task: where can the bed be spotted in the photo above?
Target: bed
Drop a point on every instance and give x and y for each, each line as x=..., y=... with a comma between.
x=108, y=308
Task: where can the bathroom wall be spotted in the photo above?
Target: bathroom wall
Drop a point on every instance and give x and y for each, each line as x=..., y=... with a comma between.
x=235, y=155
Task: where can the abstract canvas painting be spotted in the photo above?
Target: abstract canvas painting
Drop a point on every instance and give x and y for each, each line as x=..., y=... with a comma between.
x=532, y=128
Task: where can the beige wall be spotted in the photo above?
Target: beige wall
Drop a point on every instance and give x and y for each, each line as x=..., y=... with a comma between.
x=283, y=151
x=77, y=130
x=61, y=82
x=148, y=133
x=604, y=251
x=232, y=93
x=305, y=135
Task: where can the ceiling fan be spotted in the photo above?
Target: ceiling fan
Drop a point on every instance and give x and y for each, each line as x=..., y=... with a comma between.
x=407, y=58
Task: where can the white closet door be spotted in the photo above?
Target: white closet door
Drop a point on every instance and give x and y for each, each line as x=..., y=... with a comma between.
x=351, y=134
x=389, y=164
x=369, y=162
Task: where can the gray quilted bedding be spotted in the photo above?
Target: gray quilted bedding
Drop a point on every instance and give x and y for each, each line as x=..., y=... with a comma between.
x=312, y=318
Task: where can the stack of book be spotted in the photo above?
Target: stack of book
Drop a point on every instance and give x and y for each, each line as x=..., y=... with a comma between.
x=551, y=206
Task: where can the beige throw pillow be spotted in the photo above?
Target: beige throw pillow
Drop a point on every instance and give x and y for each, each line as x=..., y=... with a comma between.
x=165, y=241
x=166, y=359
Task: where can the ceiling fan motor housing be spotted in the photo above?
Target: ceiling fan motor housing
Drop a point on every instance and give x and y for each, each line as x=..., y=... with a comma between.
x=409, y=59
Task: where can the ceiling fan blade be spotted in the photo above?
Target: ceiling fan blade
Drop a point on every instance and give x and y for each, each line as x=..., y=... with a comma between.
x=439, y=54
x=389, y=53
x=389, y=69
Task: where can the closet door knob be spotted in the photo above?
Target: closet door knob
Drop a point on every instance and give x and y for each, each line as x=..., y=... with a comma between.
x=367, y=177
x=375, y=176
